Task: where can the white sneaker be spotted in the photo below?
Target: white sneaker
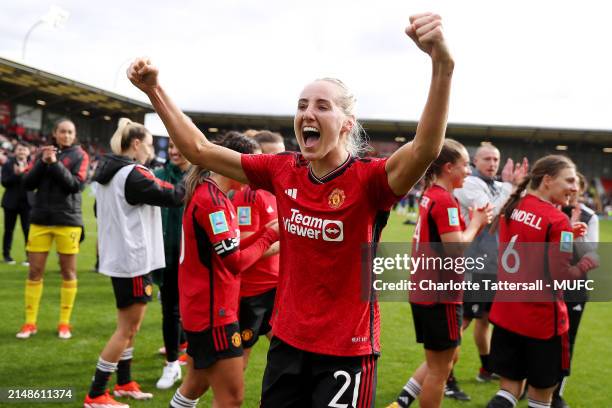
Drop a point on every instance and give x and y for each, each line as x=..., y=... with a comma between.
x=170, y=375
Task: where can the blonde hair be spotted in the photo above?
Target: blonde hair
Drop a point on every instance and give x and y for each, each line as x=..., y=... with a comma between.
x=125, y=133
x=194, y=177
x=357, y=140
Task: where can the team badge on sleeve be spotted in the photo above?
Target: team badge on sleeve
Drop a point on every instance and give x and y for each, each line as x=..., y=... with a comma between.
x=453, y=217
x=567, y=240
x=218, y=222
x=244, y=215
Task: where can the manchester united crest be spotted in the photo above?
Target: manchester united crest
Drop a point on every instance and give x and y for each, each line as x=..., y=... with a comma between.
x=148, y=290
x=236, y=340
x=247, y=334
x=336, y=198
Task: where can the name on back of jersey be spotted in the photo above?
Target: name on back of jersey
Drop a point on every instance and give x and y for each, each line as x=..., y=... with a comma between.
x=526, y=218
x=308, y=226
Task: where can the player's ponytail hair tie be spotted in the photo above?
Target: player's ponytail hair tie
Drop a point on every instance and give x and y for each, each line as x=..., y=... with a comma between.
x=127, y=131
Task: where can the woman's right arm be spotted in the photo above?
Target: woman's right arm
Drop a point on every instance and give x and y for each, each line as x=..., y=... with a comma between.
x=186, y=136
x=33, y=175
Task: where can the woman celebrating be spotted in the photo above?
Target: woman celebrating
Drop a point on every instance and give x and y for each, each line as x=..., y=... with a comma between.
x=530, y=338
x=130, y=242
x=440, y=231
x=330, y=203
x=58, y=176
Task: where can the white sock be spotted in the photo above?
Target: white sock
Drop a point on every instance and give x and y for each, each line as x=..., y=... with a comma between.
x=179, y=401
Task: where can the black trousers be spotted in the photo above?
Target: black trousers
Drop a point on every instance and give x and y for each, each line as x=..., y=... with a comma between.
x=10, y=219
x=171, y=320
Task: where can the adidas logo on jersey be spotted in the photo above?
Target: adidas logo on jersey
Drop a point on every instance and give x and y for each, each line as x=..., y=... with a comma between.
x=291, y=192
x=314, y=228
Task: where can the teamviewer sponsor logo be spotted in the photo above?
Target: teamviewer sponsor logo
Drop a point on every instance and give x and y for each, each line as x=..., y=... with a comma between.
x=333, y=231
x=313, y=227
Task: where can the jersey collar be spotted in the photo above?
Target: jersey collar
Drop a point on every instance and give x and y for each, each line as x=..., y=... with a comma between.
x=332, y=174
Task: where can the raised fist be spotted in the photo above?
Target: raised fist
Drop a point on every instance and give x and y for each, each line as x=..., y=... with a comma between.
x=426, y=31
x=143, y=74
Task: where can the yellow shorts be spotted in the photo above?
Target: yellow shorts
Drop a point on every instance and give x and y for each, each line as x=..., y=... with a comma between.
x=67, y=238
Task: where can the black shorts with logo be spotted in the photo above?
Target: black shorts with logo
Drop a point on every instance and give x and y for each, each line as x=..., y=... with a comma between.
x=128, y=291
x=437, y=326
x=208, y=346
x=255, y=315
x=295, y=378
x=517, y=357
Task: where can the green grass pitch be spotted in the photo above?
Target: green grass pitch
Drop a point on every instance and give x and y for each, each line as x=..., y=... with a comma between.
x=44, y=361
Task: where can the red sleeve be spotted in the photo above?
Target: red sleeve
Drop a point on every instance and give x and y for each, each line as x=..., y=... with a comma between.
x=266, y=204
x=250, y=251
x=248, y=217
x=219, y=222
x=259, y=169
x=221, y=226
x=561, y=248
x=380, y=192
x=446, y=215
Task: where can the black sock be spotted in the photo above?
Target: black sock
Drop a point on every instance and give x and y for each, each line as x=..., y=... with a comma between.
x=451, y=377
x=503, y=399
x=124, y=369
x=104, y=369
x=484, y=362
x=409, y=393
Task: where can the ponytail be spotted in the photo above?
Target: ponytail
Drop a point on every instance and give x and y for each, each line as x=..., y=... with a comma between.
x=511, y=204
x=125, y=133
x=194, y=177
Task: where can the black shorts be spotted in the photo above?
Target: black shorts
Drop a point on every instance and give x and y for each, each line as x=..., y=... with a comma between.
x=132, y=290
x=437, y=326
x=296, y=378
x=211, y=345
x=475, y=310
x=517, y=357
x=255, y=315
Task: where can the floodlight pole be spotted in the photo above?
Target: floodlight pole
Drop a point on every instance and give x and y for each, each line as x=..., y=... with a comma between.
x=27, y=37
x=55, y=17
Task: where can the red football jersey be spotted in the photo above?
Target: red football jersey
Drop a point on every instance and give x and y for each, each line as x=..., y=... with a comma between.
x=524, y=259
x=255, y=208
x=438, y=214
x=324, y=224
x=208, y=290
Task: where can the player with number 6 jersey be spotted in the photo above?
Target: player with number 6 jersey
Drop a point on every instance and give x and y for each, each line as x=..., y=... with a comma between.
x=530, y=336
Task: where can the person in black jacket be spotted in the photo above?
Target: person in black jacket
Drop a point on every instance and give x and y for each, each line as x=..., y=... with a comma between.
x=15, y=201
x=58, y=176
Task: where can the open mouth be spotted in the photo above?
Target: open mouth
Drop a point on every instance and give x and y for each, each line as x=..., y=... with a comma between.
x=311, y=135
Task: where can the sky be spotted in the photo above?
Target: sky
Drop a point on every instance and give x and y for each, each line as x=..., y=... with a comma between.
x=540, y=63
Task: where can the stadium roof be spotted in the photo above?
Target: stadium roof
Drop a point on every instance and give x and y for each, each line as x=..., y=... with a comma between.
x=21, y=80
x=18, y=81
x=408, y=128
